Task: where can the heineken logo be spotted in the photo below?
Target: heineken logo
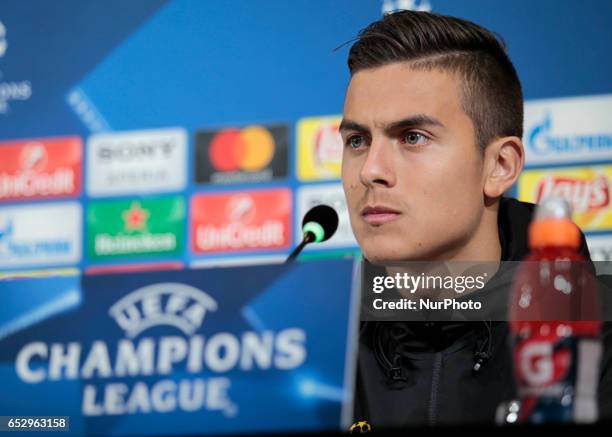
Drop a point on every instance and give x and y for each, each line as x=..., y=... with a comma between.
x=135, y=218
x=129, y=228
x=179, y=305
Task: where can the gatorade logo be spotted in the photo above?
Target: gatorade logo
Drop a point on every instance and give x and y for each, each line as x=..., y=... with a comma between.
x=249, y=149
x=543, y=363
x=536, y=363
x=253, y=153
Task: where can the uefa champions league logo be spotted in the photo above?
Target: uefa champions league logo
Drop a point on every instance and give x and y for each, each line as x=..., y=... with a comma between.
x=11, y=90
x=172, y=304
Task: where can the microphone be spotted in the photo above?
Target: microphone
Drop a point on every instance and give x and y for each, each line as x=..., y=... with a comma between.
x=318, y=225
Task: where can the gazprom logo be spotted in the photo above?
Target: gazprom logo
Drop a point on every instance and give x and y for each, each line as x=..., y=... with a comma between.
x=173, y=304
x=542, y=141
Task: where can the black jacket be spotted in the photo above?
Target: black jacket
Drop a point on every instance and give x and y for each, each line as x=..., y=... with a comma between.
x=414, y=373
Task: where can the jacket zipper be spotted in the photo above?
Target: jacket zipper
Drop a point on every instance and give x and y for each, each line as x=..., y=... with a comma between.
x=435, y=382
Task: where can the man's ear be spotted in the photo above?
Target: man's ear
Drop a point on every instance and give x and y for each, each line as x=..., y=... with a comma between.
x=504, y=159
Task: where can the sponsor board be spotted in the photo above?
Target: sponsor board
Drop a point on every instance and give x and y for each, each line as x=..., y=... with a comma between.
x=135, y=228
x=587, y=189
x=40, y=235
x=40, y=168
x=600, y=247
x=136, y=162
x=237, y=221
x=568, y=130
x=319, y=148
x=237, y=155
x=182, y=352
x=332, y=195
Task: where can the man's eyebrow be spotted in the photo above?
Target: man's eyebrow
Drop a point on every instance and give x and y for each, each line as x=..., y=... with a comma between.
x=419, y=120
x=351, y=125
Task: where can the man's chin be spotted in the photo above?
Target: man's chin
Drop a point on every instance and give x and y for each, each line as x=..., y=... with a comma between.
x=388, y=255
x=384, y=257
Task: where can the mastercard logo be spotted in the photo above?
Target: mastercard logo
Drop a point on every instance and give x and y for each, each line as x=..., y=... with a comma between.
x=249, y=149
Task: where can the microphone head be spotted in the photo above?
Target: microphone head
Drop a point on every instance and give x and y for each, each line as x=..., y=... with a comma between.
x=321, y=221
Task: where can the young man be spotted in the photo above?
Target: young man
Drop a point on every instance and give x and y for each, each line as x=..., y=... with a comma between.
x=432, y=128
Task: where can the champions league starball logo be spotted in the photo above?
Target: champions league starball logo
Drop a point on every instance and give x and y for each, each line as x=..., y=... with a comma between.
x=173, y=304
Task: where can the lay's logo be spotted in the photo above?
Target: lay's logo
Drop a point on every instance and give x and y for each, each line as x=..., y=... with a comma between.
x=583, y=194
x=587, y=189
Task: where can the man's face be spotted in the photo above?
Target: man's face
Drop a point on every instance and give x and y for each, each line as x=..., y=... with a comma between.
x=411, y=170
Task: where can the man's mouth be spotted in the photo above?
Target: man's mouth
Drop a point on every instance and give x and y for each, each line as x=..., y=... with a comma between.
x=378, y=214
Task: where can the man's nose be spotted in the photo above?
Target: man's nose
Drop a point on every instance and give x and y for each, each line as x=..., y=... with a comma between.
x=378, y=168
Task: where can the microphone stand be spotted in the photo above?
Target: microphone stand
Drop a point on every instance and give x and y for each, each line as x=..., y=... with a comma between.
x=309, y=237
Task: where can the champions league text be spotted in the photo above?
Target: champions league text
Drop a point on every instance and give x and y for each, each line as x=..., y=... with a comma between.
x=150, y=358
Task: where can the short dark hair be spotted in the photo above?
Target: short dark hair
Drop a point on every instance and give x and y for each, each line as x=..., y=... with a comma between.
x=491, y=91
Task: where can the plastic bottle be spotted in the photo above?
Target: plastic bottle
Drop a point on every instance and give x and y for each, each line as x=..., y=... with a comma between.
x=555, y=323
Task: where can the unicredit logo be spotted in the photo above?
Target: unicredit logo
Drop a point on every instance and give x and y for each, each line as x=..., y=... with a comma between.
x=241, y=221
x=249, y=149
x=240, y=208
x=41, y=169
x=239, y=232
x=583, y=194
x=33, y=157
x=179, y=305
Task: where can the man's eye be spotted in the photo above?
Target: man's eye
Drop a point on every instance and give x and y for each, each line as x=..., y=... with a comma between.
x=415, y=139
x=355, y=141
